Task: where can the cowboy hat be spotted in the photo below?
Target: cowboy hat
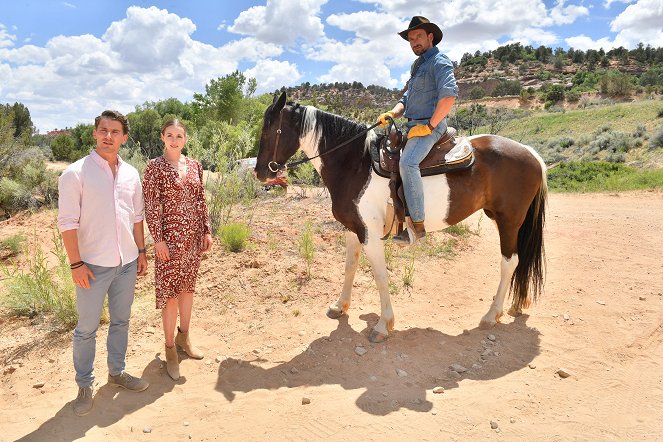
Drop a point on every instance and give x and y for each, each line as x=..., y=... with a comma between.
x=419, y=22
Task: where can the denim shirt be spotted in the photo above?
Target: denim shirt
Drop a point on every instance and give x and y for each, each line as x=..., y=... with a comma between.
x=433, y=81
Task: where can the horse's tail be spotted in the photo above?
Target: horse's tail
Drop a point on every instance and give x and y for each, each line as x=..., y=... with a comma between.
x=531, y=252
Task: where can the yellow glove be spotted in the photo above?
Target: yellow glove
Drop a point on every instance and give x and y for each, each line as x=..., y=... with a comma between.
x=420, y=130
x=383, y=118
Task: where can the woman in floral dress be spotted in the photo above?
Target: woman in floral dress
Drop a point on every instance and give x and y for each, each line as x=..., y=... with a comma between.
x=178, y=220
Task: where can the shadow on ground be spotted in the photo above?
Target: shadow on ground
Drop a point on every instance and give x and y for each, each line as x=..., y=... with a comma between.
x=111, y=404
x=425, y=355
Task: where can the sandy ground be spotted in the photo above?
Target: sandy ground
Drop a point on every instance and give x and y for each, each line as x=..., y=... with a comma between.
x=269, y=345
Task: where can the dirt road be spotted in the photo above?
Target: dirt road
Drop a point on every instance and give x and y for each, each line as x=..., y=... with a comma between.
x=269, y=345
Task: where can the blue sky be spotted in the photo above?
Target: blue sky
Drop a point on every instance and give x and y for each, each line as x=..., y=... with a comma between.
x=68, y=60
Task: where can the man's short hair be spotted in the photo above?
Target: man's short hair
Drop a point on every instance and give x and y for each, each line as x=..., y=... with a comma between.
x=113, y=115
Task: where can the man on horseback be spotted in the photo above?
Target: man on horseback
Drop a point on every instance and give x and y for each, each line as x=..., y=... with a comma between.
x=430, y=93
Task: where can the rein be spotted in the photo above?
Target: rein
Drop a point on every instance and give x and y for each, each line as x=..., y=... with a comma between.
x=273, y=166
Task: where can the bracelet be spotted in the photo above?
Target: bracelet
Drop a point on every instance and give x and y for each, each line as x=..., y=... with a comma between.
x=430, y=126
x=141, y=250
x=75, y=265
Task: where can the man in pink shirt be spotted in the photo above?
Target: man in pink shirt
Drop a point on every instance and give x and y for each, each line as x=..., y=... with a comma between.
x=100, y=216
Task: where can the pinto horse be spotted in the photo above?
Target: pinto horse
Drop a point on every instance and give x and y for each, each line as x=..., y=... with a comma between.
x=507, y=181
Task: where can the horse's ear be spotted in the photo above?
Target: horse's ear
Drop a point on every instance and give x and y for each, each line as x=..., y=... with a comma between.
x=278, y=103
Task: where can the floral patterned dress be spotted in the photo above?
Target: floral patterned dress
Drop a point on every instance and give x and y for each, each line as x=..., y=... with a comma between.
x=176, y=212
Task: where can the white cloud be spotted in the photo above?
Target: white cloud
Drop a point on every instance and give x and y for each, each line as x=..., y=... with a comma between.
x=644, y=15
x=583, y=43
x=641, y=22
x=468, y=26
x=149, y=37
x=608, y=3
x=281, y=21
x=148, y=55
x=69, y=5
x=6, y=39
x=272, y=74
x=564, y=15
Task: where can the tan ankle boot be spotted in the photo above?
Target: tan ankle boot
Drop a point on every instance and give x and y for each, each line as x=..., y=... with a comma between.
x=172, y=363
x=184, y=343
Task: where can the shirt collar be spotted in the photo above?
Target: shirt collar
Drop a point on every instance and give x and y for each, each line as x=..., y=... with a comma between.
x=101, y=162
x=430, y=53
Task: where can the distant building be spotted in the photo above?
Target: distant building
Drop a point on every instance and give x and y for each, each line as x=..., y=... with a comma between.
x=54, y=133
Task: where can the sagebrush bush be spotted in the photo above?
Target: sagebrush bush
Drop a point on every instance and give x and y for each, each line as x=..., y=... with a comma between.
x=560, y=143
x=35, y=289
x=234, y=236
x=656, y=140
x=612, y=142
x=640, y=131
x=14, y=196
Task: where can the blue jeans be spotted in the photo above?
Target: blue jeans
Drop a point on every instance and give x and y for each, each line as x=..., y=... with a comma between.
x=415, y=151
x=119, y=282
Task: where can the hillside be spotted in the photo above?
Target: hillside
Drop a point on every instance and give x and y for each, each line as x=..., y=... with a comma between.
x=508, y=70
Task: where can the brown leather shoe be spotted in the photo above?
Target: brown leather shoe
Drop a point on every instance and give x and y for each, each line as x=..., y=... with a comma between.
x=84, y=401
x=405, y=238
x=183, y=342
x=129, y=382
x=419, y=229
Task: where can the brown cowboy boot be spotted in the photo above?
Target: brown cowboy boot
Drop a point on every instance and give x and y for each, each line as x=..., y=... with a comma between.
x=172, y=363
x=411, y=235
x=184, y=343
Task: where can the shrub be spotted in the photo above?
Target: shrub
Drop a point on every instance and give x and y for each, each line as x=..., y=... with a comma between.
x=616, y=84
x=573, y=96
x=656, y=140
x=63, y=147
x=307, y=247
x=543, y=75
x=15, y=196
x=561, y=143
x=36, y=290
x=227, y=191
x=506, y=87
x=612, y=142
x=13, y=244
x=234, y=236
x=477, y=92
x=640, y=131
x=554, y=93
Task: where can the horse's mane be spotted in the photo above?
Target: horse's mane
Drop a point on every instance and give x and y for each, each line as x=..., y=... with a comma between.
x=336, y=128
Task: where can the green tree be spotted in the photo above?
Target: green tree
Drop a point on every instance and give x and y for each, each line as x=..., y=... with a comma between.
x=83, y=141
x=145, y=131
x=63, y=147
x=616, y=84
x=223, y=98
x=21, y=121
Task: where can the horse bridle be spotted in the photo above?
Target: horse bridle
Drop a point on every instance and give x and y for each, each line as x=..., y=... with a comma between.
x=276, y=145
x=278, y=166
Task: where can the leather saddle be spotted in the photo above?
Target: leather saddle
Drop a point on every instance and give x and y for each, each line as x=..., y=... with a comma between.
x=449, y=154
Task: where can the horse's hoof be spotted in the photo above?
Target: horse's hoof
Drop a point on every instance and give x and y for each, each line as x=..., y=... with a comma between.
x=484, y=325
x=515, y=312
x=376, y=337
x=334, y=314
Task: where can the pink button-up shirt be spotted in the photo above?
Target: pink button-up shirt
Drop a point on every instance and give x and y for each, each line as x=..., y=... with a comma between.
x=103, y=209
